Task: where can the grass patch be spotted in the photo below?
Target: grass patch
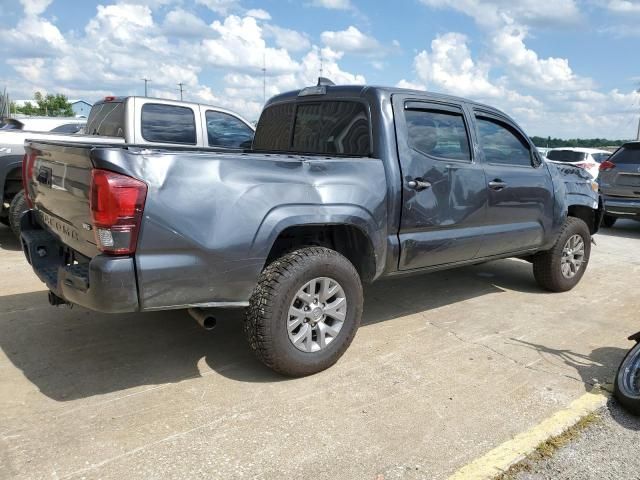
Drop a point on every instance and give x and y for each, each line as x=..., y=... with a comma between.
x=547, y=448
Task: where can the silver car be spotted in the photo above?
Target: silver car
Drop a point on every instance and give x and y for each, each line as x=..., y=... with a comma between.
x=620, y=184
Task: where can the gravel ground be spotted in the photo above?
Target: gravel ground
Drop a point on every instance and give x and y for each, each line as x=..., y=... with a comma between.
x=607, y=449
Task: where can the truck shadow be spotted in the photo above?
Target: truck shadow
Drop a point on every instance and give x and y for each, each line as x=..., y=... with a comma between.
x=622, y=229
x=7, y=240
x=70, y=354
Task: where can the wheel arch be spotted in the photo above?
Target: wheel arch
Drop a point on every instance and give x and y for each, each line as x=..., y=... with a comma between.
x=348, y=229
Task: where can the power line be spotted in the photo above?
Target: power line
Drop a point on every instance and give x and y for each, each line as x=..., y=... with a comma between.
x=146, y=80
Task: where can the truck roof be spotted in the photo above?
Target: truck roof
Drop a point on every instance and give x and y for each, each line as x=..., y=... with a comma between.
x=341, y=91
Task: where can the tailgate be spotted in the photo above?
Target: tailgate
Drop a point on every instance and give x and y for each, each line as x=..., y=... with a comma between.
x=59, y=183
x=622, y=177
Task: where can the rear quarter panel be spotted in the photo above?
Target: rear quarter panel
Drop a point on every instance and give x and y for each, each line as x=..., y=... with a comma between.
x=210, y=219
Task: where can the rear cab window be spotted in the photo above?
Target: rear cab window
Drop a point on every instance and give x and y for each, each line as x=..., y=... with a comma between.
x=331, y=127
x=168, y=124
x=107, y=119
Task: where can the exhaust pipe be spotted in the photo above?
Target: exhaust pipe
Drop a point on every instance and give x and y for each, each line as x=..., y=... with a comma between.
x=204, y=319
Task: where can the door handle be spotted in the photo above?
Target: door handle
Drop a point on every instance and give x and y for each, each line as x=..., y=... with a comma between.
x=497, y=184
x=418, y=184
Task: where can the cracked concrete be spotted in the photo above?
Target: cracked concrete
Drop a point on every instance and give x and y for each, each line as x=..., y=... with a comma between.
x=445, y=367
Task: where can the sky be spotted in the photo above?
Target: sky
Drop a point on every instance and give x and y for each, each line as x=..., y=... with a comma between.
x=567, y=68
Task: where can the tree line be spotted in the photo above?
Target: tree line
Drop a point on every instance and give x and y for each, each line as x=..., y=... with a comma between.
x=576, y=142
x=49, y=105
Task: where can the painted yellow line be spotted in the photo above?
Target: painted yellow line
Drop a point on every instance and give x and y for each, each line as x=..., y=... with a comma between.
x=502, y=457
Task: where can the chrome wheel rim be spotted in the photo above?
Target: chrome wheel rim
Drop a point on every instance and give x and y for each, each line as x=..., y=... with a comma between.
x=630, y=372
x=316, y=314
x=572, y=256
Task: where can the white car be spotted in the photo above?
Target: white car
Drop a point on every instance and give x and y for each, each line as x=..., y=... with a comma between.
x=587, y=158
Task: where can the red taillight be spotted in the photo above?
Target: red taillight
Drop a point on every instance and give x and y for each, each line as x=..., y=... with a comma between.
x=28, y=162
x=607, y=165
x=117, y=202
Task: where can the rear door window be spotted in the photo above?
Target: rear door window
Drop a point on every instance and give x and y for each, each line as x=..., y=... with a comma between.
x=224, y=130
x=327, y=127
x=438, y=133
x=502, y=144
x=168, y=124
x=106, y=119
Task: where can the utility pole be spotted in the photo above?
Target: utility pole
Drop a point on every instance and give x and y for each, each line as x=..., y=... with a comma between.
x=146, y=80
x=321, y=65
x=181, y=89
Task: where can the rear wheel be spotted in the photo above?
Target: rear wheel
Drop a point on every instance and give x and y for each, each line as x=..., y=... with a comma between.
x=609, y=221
x=304, y=311
x=627, y=384
x=560, y=268
x=16, y=209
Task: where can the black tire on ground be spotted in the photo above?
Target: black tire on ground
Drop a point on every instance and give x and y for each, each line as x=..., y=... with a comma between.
x=16, y=209
x=5, y=221
x=547, y=265
x=626, y=398
x=609, y=221
x=268, y=312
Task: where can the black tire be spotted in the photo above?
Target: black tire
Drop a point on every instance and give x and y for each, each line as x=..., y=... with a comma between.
x=628, y=397
x=547, y=265
x=609, y=221
x=5, y=221
x=16, y=209
x=267, y=314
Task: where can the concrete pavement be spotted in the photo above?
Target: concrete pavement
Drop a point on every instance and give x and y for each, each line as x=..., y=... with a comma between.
x=445, y=367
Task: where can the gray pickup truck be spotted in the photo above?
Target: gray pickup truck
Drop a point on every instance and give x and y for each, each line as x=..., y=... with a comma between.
x=344, y=185
x=144, y=121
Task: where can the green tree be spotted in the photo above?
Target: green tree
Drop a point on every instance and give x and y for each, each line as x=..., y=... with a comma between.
x=49, y=105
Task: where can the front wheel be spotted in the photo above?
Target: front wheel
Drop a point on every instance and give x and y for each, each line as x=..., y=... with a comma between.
x=560, y=268
x=627, y=384
x=304, y=311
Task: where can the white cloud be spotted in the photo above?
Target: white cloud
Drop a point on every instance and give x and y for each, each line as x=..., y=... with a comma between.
x=258, y=13
x=528, y=69
x=333, y=4
x=182, y=23
x=411, y=85
x=35, y=7
x=222, y=7
x=492, y=12
x=291, y=40
x=351, y=40
x=624, y=6
x=241, y=45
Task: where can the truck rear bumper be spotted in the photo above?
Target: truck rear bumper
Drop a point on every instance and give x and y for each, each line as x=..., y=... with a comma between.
x=622, y=206
x=104, y=284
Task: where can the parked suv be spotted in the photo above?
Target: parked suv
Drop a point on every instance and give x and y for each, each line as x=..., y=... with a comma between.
x=345, y=185
x=620, y=184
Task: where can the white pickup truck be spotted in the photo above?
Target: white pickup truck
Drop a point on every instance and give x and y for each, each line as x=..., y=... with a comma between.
x=134, y=121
